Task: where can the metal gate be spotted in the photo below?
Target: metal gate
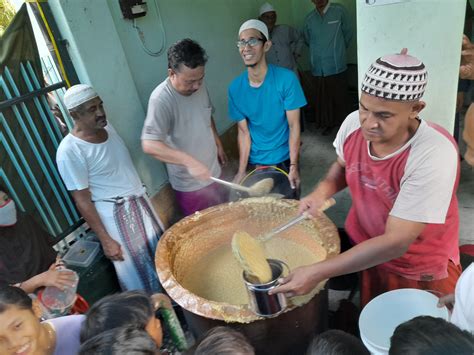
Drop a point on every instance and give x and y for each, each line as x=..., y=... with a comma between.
x=29, y=136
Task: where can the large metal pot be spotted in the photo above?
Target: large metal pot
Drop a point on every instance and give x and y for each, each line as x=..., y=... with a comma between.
x=195, y=236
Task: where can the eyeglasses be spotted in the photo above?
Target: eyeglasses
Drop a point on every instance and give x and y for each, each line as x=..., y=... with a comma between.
x=252, y=42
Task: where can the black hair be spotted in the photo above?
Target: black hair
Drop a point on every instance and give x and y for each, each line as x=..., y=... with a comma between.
x=120, y=341
x=14, y=296
x=186, y=52
x=264, y=38
x=430, y=336
x=133, y=308
x=336, y=342
x=224, y=341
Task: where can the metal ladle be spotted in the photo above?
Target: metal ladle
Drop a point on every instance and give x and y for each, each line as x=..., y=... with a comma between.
x=264, y=237
x=260, y=188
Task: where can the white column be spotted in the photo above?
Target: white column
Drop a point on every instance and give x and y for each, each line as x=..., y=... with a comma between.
x=432, y=32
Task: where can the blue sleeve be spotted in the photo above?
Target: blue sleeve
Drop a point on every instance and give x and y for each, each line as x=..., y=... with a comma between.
x=234, y=113
x=293, y=97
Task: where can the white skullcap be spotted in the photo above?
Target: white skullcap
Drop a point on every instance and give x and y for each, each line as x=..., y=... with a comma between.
x=256, y=25
x=78, y=94
x=266, y=8
x=463, y=311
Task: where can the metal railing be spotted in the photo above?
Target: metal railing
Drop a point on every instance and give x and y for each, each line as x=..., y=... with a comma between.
x=29, y=137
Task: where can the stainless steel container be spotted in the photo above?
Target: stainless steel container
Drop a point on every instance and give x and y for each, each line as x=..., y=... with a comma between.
x=262, y=303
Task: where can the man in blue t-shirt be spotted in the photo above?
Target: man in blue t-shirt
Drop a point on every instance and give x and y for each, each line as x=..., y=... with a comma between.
x=265, y=100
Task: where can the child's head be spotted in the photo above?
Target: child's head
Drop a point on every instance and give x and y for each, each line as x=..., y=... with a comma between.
x=120, y=341
x=336, y=342
x=429, y=335
x=224, y=341
x=19, y=325
x=130, y=308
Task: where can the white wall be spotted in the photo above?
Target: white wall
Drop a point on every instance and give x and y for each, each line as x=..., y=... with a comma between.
x=432, y=32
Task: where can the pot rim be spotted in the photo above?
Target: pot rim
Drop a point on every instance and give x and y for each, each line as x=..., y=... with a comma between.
x=221, y=310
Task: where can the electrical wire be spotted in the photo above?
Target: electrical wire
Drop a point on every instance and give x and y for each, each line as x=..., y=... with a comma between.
x=53, y=42
x=141, y=35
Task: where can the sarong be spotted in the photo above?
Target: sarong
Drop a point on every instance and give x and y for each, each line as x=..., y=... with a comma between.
x=330, y=99
x=192, y=201
x=376, y=280
x=132, y=222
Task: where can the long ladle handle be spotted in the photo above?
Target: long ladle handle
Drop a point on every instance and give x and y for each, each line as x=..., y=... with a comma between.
x=231, y=184
x=328, y=203
x=291, y=223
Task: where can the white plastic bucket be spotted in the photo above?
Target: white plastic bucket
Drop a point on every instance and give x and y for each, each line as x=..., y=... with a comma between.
x=372, y=349
x=384, y=313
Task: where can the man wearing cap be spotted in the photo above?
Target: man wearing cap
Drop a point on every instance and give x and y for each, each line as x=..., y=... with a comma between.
x=287, y=42
x=97, y=168
x=403, y=173
x=265, y=101
x=179, y=130
x=328, y=32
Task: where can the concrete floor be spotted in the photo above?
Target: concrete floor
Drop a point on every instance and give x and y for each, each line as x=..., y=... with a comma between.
x=317, y=154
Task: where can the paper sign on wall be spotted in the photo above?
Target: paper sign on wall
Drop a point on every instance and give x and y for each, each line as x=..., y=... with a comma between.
x=383, y=2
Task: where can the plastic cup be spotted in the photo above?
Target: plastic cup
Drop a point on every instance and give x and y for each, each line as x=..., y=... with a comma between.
x=59, y=302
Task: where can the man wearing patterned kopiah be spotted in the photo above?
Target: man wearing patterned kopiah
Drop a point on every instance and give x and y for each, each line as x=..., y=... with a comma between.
x=403, y=173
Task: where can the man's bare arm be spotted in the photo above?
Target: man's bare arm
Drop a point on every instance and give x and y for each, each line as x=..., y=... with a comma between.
x=112, y=249
x=244, y=142
x=161, y=151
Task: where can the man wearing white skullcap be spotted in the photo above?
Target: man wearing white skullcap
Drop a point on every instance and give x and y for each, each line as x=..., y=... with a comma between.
x=402, y=173
x=287, y=41
x=97, y=168
x=265, y=101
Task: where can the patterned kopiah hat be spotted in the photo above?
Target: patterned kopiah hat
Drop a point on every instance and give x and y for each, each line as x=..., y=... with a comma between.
x=396, y=77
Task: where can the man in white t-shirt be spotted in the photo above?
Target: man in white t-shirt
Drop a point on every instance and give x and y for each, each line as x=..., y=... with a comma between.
x=179, y=130
x=97, y=168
